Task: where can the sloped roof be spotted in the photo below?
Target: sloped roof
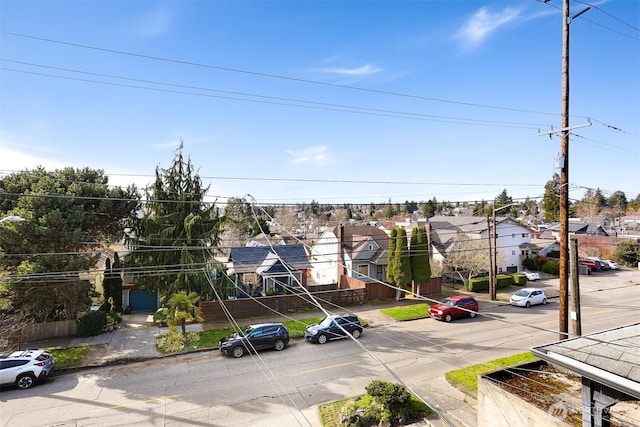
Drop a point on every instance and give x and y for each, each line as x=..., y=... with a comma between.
x=609, y=357
x=355, y=236
x=247, y=259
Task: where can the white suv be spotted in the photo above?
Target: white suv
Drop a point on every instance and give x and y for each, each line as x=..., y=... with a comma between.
x=23, y=368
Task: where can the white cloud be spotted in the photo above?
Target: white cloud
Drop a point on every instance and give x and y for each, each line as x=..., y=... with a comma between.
x=315, y=155
x=360, y=71
x=483, y=23
x=17, y=157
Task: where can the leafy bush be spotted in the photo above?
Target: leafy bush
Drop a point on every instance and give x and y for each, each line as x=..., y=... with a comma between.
x=551, y=267
x=160, y=316
x=519, y=279
x=392, y=396
x=478, y=284
x=529, y=264
x=365, y=411
x=91, y=323
x=504, y=280
x=539, y=260
x=627, y=253
x=171, y=341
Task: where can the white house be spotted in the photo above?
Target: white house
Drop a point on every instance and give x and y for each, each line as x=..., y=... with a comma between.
x=358, y=251
x=513, y=240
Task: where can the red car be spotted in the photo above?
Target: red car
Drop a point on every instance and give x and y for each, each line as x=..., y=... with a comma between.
x=593, y=265
x=453, y=307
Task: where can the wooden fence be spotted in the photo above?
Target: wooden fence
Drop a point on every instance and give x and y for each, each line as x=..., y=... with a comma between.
x=263, y=306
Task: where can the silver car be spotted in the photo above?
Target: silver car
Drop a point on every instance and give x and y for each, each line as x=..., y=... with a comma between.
x=23, y=368
x=526, y=297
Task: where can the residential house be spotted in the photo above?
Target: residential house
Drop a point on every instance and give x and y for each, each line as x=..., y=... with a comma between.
x=358, y=251
x=262, y=270
x=513, y=240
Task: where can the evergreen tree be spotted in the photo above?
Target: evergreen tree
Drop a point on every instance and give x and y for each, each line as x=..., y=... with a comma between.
x=419, y=255
x=618, y=200
x=551, y=199
x=391, y=255
x=181, y=226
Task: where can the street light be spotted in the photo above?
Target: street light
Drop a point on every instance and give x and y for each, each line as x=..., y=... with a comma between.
x=12, y=218
x=494, y=252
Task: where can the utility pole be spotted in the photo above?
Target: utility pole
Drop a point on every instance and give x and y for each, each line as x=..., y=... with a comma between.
x=576, y=318
x=564, y=172
x=494, y=265
x=491, y=289
x=564, y=176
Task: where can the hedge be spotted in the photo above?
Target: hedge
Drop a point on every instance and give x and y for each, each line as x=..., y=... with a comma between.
x=519, y=279
x=551, y=267
x=478, y=284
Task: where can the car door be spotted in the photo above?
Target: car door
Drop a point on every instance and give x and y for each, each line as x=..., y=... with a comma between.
x=258, y=338
x=458, y=309
x=334, y=330
x=536, y=297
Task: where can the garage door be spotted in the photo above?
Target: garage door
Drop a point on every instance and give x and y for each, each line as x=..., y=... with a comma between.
x=143, y=300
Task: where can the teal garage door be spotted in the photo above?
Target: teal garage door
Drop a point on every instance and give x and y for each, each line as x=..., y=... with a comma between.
x=143, y=300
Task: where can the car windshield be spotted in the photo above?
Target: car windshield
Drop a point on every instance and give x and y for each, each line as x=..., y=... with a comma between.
x=247, y=331
x=447, y=302
x=522, y=293
x=326, y=321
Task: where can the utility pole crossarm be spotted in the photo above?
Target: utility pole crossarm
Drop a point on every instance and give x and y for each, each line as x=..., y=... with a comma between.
x=564, y=129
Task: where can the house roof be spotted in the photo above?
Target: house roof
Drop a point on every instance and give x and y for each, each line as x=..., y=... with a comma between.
x=609, y=357
x=247, y=259
x=355, y=237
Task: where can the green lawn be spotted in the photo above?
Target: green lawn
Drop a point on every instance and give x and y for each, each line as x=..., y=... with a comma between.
x=408, y=312
x=468, y=377
x=69, y=357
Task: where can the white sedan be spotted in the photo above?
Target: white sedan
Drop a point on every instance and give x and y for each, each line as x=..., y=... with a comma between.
x=526, y=297
x=612, y=265
x=532, y=275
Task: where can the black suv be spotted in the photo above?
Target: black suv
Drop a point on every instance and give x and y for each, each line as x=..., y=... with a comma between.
x=333, y=327
x=255, y=337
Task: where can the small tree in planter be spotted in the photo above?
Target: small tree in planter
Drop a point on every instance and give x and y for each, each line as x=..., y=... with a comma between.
x=183, y=308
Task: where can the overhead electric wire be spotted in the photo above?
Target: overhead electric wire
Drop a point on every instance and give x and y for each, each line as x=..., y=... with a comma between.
x=274, y=76
x=331, y=106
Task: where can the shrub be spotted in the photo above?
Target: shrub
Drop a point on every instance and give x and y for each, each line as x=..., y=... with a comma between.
x=171, y=341
x=539, y=260
x=91, y=323
x=519, y=279
x=503, y=281
x=478, y=284
x=529, y=264
x=627, y=253
x=393, y=396
x=551, y=267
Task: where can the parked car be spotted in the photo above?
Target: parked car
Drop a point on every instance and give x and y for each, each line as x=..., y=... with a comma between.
x=526, y=297
x=532, y=276
x=454, y=307
x=23, y=368
x=334, y=327
x=593, y=266
x=601, y=264
x=255, y=337
x=612, y=265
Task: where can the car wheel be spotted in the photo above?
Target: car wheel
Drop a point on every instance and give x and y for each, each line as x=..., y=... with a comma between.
x=544, y=301
x=448, y=318
x=25, y=381
x=322, y=338
x=356, y=333
x=473, y=314
x=278, y=345
x=528, y=304
x=238, y=351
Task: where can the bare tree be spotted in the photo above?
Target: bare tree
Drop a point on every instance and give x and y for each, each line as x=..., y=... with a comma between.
x=468, y=257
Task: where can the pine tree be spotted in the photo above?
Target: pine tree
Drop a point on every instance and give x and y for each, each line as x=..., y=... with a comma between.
x=551, y=199
x=182, y=227
x=419, y=250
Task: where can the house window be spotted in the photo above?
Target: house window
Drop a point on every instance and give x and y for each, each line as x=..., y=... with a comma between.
x=363, y=269
x=380, y=274
x=513, y=252
x=524, y=235
x=250, y=278
x=513, y=236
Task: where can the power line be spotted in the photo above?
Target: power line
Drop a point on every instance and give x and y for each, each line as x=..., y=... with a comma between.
x=274, y=76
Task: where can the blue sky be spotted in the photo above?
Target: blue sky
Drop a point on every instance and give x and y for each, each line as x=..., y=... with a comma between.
x=338, y=102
